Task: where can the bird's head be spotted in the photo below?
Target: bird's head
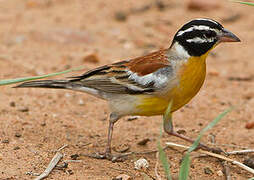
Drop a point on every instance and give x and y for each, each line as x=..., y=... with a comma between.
x=199, y=36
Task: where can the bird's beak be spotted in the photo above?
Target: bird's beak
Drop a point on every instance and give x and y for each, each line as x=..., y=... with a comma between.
x=227, y=36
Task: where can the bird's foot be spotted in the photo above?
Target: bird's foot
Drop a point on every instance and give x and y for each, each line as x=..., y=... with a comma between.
x=108, y=156
x=200, y=146
x=213, y=150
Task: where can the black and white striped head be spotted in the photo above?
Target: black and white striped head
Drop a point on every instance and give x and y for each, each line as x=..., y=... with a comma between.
x=199, y=36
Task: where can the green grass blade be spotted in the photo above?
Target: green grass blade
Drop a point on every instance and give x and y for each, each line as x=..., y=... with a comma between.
x=185, y=165
x=246, y=3
x=164, y=160
x=162, y=155
x=18, y=80
x=251, y=178
x=168, y=113
x=209, y=126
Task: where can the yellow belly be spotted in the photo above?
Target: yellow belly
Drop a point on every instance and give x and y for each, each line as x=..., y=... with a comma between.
x=191, y=76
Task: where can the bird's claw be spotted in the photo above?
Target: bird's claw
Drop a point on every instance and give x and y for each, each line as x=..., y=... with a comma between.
x=213, y=150
x=108, y=156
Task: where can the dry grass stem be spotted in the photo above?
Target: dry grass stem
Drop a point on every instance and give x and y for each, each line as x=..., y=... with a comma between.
x=226, y=170
x=241, y=151
x=156, y=167
x=61, y=148
x=241, y=165
x=58, y=156
x=73, y=161
x=54, y=161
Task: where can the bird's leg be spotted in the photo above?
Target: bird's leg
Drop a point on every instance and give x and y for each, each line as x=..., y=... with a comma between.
x=113, y=118
x=108, y=154
x=168, y=128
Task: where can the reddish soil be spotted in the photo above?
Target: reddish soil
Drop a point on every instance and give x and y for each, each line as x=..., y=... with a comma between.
x=39, y=37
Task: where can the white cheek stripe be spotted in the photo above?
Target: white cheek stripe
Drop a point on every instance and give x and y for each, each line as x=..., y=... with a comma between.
x=201, y=27
x=200, y=40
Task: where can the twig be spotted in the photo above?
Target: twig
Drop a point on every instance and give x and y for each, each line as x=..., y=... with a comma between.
x=217, y=156
x=177, y=145
x=228, y=145
x=241, y=151
x=156, y=167
x=61, y=148
x=58, y=156
x=226, y=170
x=229, y=153
x=243, y=166
x=74, y=161
x=54, y=161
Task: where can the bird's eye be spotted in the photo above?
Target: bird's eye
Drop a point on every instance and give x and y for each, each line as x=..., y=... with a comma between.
x=209, y=34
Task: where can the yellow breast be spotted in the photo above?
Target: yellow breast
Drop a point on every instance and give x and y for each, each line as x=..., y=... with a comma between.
x=190, y=75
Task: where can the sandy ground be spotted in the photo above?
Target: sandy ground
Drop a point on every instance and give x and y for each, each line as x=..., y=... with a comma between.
x=39, y=37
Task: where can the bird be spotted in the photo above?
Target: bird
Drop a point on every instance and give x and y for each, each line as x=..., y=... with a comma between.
x=144, y=86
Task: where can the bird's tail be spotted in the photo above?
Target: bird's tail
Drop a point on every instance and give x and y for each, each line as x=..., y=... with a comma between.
x=61, y=84
x=56, y=84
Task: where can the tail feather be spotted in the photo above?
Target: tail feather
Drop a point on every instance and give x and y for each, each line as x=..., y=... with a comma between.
x=56, y=84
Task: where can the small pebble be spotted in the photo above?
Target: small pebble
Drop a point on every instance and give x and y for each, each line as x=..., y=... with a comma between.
x=62, y=166
x=219, y=173
x=203, y=4
x=132, y=118
x=74, y=156
x=181, y=131
x=160, y=5
x=120, y=16
x=213, y=73
x=249, y=125
x=12, y=104
x=81, y=102
x=248, y=95
x=30, y=173
x=128, y=45
x=200, y=124
x=141, y=164
x=143, y=142
x=207, y=170
x=6, y=141
x=24, y=109
x=16, y=148
x=70, y=172
x=91, y=58
x=18, y=135
x=122, y=177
